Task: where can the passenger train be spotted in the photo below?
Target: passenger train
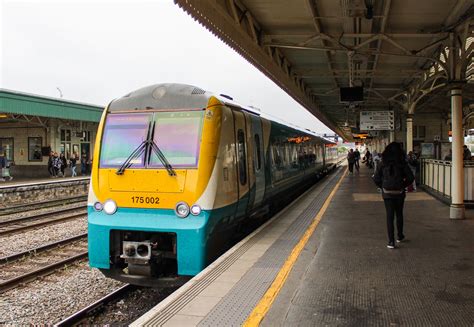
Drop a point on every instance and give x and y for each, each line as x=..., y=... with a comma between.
x=178, y=170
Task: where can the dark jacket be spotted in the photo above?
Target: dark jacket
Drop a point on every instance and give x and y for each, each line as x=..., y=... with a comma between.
x=351, y=157
x=50, y=161
x=357, y=155
x=393, y=173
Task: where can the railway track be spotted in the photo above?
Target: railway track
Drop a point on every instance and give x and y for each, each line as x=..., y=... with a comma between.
x=40, y=205
x=15, y=272
x=42, y=219
x=95, y=307
x=40, y=249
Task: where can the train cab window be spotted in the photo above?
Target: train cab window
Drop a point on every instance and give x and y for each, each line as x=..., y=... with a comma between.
x=258, y=154
x=242, y=157
x=122, y=134
x=178, y=135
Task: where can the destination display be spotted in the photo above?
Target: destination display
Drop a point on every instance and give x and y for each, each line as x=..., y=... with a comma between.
x=376, y=120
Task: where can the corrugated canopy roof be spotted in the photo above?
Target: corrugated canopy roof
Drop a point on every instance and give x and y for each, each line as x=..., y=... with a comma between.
x=34, y=105
x=398, y=50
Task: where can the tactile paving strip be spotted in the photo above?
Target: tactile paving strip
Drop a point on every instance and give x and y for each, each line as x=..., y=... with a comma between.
x=169, y=311
x=237, y=305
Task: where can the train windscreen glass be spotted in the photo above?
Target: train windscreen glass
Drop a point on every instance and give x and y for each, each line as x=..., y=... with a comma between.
x=178, y=135
x=123, y=133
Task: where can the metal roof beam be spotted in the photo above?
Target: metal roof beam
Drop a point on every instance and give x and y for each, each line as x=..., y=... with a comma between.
x=364, y=74
x=309, y=37
x=386, y=11
x=365, y=52
x=220, y=18
x=317, y=26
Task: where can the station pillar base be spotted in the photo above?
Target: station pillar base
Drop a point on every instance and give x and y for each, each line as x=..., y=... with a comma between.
x=456, y=211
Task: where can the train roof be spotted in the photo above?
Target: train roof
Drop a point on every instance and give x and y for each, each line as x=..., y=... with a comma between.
x=183, y=96
x=163, y=96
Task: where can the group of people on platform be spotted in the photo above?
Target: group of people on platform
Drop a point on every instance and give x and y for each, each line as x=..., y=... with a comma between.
x=369, y=159
x=5, y=168
x=57, y=164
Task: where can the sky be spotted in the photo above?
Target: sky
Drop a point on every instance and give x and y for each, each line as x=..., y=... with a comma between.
x=96, y=51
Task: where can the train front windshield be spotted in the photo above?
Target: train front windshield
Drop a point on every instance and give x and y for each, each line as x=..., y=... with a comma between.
x=177, y=135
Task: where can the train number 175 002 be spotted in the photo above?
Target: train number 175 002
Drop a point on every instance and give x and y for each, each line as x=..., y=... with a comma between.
x=146, y=199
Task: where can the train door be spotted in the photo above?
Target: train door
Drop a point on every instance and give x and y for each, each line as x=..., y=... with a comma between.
x=257, y=190
x=242, y=162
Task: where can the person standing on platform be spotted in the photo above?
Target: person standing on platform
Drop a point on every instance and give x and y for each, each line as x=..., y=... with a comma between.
x=376, y=158
x=393, y=175
x=412, y=163
x=73, y=162
x=368, y=159
x=466, y=154
x=83, y=164
x=57, y=162
x=50, y=165
x=357, y=159
x=5, y=168
x=63, y=164
x=351, y=160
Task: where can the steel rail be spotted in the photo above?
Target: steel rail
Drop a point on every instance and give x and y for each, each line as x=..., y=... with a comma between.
x=95, y=307
x=40, y=249
x=41, y=272
x=44, y=204
x=42, y=223
x=38, y=216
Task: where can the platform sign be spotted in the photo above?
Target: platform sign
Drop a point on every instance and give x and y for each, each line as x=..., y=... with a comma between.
x=376, y=120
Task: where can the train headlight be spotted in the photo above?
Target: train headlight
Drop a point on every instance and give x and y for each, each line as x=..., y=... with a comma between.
x=110, y=207
x=195, y=210
x=182, y=210
x=98, y=206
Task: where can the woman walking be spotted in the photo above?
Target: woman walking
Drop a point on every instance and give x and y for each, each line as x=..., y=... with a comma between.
x=393, y=175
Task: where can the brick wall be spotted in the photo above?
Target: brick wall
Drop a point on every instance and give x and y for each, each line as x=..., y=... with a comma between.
x=42, y=192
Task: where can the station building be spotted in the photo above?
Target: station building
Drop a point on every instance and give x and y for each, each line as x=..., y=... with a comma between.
x=32, y=125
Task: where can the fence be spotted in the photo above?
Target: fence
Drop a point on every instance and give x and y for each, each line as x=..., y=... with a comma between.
x=435, y=175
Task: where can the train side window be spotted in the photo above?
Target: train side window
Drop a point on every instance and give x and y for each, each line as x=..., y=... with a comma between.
x=242, y=157
x=257, y=153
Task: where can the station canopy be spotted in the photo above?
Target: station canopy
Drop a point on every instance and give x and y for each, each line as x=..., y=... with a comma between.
x=399, y=51
x=18, y=106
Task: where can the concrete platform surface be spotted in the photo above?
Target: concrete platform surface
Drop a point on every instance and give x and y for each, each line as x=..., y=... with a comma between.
x=346, y=276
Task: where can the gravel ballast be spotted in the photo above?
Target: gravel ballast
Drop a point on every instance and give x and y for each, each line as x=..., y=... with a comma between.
x=33, y=238
x=48, y=301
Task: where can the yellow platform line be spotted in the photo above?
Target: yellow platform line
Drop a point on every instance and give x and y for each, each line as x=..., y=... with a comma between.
x=266, y=302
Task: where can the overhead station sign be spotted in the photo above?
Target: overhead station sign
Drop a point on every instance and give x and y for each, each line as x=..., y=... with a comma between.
x=376, y=120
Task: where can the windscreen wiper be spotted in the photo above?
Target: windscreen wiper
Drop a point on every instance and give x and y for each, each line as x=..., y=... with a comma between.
x=162, y=158
x=135, y=154
x=139, y=151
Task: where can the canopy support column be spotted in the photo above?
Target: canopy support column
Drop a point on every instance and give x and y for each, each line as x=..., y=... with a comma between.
x=409, y=133
x=457, y=165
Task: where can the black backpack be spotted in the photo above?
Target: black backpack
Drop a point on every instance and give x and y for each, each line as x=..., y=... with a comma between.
x=393, y=177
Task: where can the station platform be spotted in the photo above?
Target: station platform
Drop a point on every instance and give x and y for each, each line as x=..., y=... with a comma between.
x=323, y=260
